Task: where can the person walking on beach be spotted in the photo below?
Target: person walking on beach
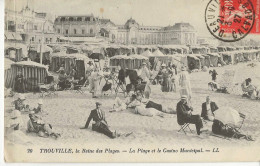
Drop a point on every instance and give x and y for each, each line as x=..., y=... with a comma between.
x=184, y=82
x=100, y=124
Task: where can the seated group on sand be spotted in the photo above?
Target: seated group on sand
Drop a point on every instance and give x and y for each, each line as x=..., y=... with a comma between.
x=35, y=124
x=135, y=102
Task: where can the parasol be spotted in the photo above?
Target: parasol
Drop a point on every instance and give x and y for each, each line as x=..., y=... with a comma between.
x=228, y=116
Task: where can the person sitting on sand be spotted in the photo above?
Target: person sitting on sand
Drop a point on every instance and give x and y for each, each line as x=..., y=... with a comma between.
x=220, y=128
x=249, y=89
x=37, y=125
x=184, y=114
x=143, y=107
x=15, y=122
x=19, y=103
x=39, y=108
x=100, y=124
x=208, y=109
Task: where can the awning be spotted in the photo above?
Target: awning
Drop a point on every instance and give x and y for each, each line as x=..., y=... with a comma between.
x=17, y=36
x=9, y=36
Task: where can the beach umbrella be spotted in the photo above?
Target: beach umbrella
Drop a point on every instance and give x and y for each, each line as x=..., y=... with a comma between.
x=97, y=56
x=228, y=116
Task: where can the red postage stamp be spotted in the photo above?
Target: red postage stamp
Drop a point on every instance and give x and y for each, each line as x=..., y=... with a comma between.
x=232, y=20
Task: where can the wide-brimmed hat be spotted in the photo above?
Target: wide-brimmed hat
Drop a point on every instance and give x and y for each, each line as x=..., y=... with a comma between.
x=15, y=114
x=21, y=97
x=163, y=65
x=184, y=97
x=143, y=63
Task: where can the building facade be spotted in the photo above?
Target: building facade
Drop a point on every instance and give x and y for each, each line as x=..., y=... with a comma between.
x=129, y=33
x=29, y=26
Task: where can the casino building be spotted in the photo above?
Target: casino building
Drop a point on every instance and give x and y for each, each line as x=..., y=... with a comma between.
x=129, y=33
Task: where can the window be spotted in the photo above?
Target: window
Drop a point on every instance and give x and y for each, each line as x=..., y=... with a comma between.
x=35, y=27
x=62, y=19
x=32, y=38
x=71, y=19
x=75, y=31
x=87, y=19
x=46, y=40
x=91, y=31
x=50, y=39
x=58, y=30
x=83, y=31
x=67, y=31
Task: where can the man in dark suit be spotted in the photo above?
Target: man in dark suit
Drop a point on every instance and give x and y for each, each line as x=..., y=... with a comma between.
x=184, y=114
x=100, y=124
x=208, y=109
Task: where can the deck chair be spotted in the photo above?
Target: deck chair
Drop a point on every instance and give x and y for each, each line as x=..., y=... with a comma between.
x=184, y=126
x=118, y=85
x=243, y=117
x=48, y=88
x=78, y=86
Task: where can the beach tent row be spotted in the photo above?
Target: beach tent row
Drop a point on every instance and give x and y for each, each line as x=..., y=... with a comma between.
x=70, y=61
x=130, y=62
x=33, y=73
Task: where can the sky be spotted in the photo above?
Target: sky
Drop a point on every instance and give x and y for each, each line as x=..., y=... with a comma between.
x=145, y=12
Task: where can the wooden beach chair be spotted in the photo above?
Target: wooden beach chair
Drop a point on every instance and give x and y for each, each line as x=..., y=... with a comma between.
x=184, y=126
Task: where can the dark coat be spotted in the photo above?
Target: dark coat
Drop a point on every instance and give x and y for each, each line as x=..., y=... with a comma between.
x=182, y=113
x=94, y=115
x=213, y=107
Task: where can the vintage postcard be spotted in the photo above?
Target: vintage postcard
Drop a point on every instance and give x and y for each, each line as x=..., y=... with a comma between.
x=131, y=80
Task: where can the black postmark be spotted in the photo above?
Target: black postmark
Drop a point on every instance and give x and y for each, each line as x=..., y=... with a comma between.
x=230, y=20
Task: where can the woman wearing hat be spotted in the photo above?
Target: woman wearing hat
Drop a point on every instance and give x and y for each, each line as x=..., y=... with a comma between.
x=184, y=82
x=94, y=82
x=62, y=79
x=37, y=125
x=19, y=83
x=167, y=82
x=19, y=102
x=144, y=72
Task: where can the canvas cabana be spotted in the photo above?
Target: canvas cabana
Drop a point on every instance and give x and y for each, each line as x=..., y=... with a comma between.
x=130, y=62
x=122, y=60
x=214, y=59
x=228, y=57
x=238, y=57
x=15, y=51
x=206, y=60
x=193, y=62
x=35, y=52
x=202, y=60
x=138, y=60
x=78, y=61
x=7, y=71
x=33, y=73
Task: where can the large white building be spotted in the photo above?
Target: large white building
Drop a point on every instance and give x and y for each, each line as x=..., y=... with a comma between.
x=29, y=26
x=129, y=33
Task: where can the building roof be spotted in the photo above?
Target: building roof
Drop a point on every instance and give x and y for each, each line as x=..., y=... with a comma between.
x=180, y=27
x=130, y=22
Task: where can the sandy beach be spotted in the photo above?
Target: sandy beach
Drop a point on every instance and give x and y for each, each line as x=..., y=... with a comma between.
x=69, y=111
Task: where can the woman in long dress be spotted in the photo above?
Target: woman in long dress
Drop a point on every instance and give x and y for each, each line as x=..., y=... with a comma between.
x=167, y=82
x=94, y=81
x=184, y=82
